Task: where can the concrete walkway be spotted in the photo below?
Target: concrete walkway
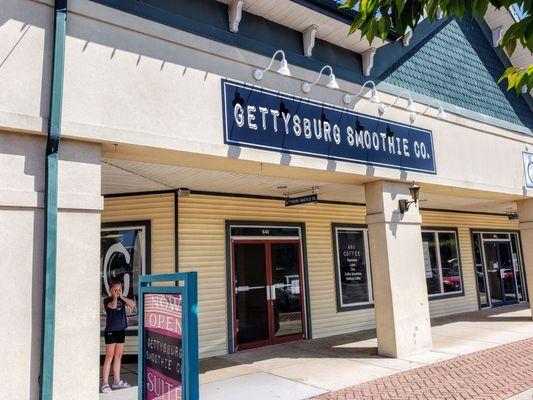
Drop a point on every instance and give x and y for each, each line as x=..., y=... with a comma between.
x=304, y=369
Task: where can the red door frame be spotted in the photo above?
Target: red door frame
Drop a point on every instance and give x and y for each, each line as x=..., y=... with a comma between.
x=270, y=303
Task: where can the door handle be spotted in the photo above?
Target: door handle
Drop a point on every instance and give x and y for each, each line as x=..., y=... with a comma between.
x=247, y=288
x=273, y=292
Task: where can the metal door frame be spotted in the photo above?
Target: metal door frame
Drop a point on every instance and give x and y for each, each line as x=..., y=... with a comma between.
x=304, y=279
x=513, y=266
x=270, y=290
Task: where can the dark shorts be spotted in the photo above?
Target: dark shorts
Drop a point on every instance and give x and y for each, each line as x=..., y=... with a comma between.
x=114, y=337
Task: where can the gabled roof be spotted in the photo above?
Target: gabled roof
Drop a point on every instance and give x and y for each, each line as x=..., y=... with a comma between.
x=457, y=64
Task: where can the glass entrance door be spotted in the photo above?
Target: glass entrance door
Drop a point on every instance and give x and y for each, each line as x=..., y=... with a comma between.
x=286, y=291
x=501, y=276
x=268, y=296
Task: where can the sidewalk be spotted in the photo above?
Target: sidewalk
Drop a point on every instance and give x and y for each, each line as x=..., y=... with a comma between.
x=496, y=373
x=301, y=370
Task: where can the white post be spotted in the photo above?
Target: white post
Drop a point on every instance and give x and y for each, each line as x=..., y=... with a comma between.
x=398, y=277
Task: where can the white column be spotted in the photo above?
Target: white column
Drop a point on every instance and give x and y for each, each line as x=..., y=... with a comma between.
x=398, y=274
x=77, y=341
x=525, y=215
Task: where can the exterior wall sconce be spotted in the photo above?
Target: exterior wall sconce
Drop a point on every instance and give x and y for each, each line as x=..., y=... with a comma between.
x=332, y=83
x=410, y=103
x=404, y=204
x=283, y=69
x=440, y=112
x=374, y=98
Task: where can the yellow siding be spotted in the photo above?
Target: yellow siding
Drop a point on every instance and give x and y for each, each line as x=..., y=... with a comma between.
x=159, y=209
x=202, y=244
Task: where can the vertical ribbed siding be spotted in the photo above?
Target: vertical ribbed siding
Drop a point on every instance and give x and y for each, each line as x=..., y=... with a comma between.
x=159, y=209
x=202, y=241
x=463, y=223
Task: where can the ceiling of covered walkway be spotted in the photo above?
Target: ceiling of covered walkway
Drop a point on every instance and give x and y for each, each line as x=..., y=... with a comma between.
x=124, y=176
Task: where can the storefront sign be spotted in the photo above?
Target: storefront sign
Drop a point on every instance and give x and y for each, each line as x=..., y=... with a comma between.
x=312, y=198
x=352, y=268
x=263, y=119
x=168, y=342
x=163, y=349
x=528, y=168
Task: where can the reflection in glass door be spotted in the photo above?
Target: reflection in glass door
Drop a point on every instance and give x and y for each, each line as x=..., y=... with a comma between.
x=250, y=305
x=500, y=272
x=268, y=305
x=286, y=293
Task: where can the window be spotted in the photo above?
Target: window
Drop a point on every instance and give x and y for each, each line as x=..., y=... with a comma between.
x=124, y=251
x=352, y=268
x=441, y=261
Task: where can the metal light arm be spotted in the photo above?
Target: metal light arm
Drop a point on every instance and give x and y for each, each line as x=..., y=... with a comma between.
x=306, y=86
x=258, y=73
x=383, y=107
x=440, y=113
x=347, y=98
x=371, y=83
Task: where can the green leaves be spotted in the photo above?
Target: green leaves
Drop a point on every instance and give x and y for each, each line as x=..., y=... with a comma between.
x=518, y=78
x=380, y=17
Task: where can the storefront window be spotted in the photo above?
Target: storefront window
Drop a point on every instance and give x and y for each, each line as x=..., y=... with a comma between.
x=123, y=258
x=430, y=262
x=354, y=286
x=441, y=261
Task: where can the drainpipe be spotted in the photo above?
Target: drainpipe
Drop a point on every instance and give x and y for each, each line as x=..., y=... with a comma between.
x=51, y=189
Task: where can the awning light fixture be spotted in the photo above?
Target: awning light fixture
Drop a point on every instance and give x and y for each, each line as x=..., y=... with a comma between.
x=283, y=69
x=374, y=98
x=440, y=112
x=410, y=103
x=332, y=82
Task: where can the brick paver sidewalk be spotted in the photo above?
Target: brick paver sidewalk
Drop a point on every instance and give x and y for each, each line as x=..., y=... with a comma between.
x=496, y=373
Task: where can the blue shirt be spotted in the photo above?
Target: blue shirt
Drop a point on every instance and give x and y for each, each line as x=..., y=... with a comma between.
x=116, y=318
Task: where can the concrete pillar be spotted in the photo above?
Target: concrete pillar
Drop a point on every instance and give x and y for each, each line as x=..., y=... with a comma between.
x=525, y=213
x=77, y=341
x=398, y=275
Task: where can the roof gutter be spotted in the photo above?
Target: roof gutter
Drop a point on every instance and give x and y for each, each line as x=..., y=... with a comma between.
x=51, y=192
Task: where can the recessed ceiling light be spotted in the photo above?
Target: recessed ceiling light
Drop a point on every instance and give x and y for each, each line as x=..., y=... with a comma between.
x=281, y=187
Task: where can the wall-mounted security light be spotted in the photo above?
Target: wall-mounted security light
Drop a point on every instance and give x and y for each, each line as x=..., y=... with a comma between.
x=283, y=69
x=410, y=103
x=404, y=204
x=332, y=82
x=512, y=215
x=184, y=192
x=440, y=112
x=374, y=98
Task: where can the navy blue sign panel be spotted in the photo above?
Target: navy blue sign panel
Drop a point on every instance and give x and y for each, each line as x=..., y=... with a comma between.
x=263, y=119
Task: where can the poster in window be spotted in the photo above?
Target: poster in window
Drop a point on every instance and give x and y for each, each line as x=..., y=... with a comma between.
x=352, y=270
x=122, y=259
x=163, y=346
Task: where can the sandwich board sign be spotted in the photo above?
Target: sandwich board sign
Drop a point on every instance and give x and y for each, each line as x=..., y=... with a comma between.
x=168, y=337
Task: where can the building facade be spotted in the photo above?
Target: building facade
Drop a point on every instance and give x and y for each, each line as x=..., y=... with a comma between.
x=290, y=192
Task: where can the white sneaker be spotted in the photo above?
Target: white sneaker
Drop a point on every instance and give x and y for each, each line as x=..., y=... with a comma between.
x=121, y=385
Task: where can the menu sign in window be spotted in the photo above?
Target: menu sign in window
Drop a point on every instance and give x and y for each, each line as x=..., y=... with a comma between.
x=163, y=346
x=353, y=273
